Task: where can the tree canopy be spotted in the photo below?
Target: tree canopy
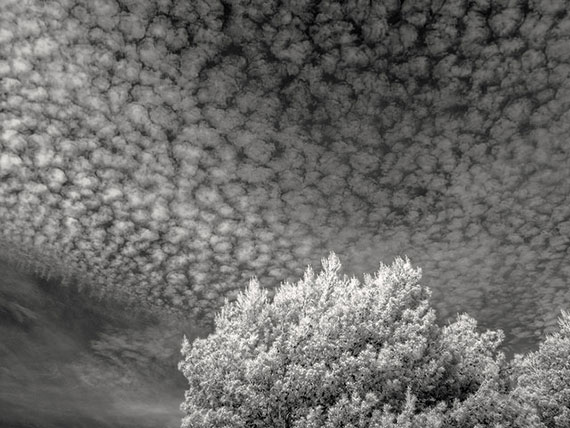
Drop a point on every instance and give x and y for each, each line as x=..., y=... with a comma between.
x=331, y=351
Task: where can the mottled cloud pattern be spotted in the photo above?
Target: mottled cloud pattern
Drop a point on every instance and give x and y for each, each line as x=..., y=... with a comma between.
x=166, y=151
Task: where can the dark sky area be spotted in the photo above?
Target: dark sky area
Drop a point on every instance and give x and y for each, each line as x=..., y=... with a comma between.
x=155, y=155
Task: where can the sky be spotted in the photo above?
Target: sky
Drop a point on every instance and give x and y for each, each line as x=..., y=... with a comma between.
x=66, y=362
x=161, y=153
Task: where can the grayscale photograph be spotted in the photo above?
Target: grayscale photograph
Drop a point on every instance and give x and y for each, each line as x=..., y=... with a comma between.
x=284, y=214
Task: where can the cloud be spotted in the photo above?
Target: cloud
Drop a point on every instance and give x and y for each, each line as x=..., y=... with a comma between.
x=66, y=360
x=168, y=151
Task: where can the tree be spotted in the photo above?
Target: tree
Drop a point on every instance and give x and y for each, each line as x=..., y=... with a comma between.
x=330, y=352
x=543, y=376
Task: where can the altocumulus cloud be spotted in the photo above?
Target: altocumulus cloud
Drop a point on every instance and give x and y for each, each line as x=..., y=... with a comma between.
x=166, y=151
